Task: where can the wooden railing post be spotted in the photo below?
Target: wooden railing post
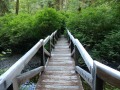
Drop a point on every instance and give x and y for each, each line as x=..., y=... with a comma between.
x=56, y=35
x=68, y=39
x=76, y=56
x=15, y=84
x=97, y=82
x=42, y=55
x=50, y=48
x=71, y=46
x=53, y=40
x=50, y=45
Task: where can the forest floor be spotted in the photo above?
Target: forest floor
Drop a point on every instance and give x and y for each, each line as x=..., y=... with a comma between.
x=6, y=61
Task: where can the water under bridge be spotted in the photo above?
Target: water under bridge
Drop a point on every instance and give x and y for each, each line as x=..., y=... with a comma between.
x=60, y=69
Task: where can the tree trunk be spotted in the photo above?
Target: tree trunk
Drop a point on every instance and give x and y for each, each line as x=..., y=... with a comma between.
x=17, y=7
x=65, y=4
x=61, y=4
x=57, y=4
x=3, y=7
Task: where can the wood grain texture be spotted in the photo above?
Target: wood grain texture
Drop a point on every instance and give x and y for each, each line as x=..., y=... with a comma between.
x=60, y=73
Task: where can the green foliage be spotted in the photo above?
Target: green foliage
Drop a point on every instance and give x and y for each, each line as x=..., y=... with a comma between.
x=4, y=31
x=3, y=70
x=47, y=21
x=93, y=22
x=109, y=48
x=110, y=87
x=97, y=27
x=21, y=32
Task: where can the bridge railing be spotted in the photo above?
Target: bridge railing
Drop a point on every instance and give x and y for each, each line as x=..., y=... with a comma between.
x=12, y=78
x=98, y=72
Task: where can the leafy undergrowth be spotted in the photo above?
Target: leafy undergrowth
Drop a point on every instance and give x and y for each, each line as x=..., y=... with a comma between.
x=20, y=32
x=98, y=29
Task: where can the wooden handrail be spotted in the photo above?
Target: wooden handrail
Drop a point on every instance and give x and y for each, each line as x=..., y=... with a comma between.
x=99, y=72
x=15, y=70
x=51, y=36
x=86, y=57
x=71, y=37
x=8, y=77
x=46, y=40
x=107, y=74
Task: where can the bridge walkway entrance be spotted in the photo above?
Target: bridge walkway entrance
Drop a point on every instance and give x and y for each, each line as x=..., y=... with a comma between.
x=59, y=74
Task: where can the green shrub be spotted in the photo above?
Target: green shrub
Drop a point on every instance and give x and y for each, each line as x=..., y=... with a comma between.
x=20, y=32
x=4, y=31
x=47, y=21
x=93, y=22
x=97, y=27
x=109, y=48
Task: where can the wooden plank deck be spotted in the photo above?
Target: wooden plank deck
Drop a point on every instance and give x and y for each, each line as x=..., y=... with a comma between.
x=60, y=73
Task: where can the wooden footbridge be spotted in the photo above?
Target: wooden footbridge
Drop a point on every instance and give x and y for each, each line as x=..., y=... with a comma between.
x=59, y=68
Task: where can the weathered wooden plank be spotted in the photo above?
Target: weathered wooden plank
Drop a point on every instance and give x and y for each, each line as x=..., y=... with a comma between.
x=60, y=68
x=59, y=52
x=71, y=37
x=61, y=58
x=61, y=49
x=59, y=77
x=56, y=87
x=59, y=44
x=65, y=73
x=60, y=55
x=64, y=63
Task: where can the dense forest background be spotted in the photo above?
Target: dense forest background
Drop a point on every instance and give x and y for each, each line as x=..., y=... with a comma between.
x=96, y=23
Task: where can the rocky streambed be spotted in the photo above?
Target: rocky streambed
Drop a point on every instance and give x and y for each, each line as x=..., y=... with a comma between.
x=7, y=61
